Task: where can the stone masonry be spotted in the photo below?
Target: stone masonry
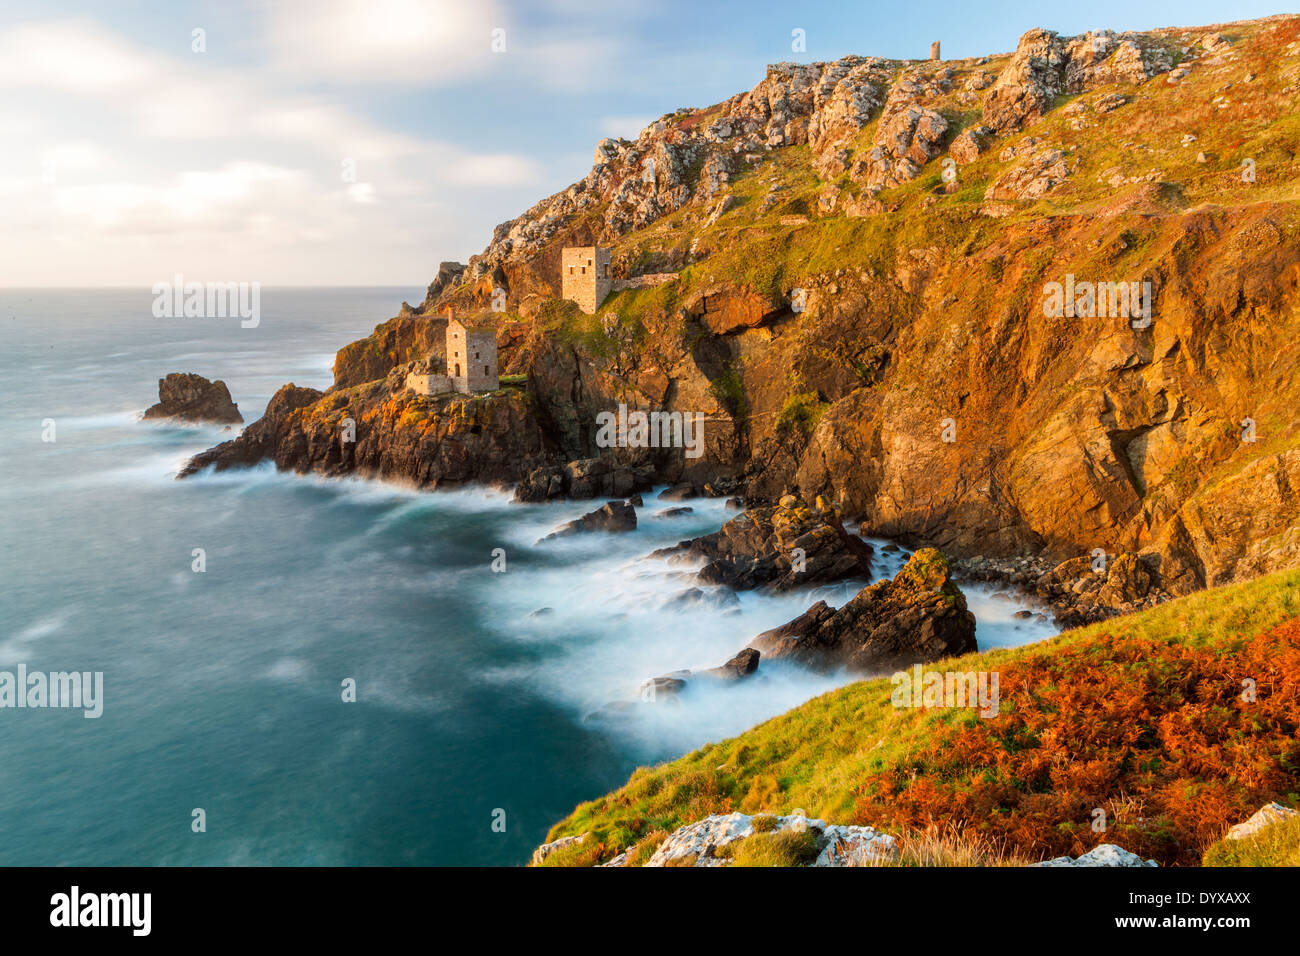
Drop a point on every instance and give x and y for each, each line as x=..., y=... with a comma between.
x=584, y=276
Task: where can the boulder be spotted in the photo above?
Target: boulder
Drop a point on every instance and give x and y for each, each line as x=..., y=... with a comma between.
x=1107, y=854
x=777, y=548
x=918, y=617
x=1265, y=816
x=717, y=598
x=742, y=665
x=192, y=398
x=613, y=516
x=969, y=143
x=674, y=512
x=678, y=492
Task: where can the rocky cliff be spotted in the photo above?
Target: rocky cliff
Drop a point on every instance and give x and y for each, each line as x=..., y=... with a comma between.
x=853, y=264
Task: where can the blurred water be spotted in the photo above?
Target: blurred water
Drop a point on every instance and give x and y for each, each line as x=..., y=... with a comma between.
x=222, y=688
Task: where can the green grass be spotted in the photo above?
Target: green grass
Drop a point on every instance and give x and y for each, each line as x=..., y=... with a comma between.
x=815, y=756
x=1276, y=845
x=786, y=848
x=801, y=413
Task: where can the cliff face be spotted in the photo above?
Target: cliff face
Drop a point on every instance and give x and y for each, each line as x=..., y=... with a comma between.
x=863, y=252
x=377, y=430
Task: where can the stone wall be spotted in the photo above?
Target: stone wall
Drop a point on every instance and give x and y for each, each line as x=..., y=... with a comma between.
x=648, y=281
x=428, y=383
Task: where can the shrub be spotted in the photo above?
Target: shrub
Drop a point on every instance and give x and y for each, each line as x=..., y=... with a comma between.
x=785, y=848
x=801, y=413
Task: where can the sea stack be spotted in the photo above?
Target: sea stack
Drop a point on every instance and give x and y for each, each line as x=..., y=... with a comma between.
x=192, y=398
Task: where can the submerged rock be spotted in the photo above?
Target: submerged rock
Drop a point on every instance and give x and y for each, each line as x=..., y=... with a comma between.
x=193, y=398
x=742, y=665
x=918, y=617
x=613, y=516
x=722, y=598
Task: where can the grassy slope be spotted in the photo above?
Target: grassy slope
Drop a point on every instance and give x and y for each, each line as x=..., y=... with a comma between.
x=1138, y=715
x=1277, y=845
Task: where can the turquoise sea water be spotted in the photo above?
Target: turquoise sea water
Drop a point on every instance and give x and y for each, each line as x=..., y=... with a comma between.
x=222, y=688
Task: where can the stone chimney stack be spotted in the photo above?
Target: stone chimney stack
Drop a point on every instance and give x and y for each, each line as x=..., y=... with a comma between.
x=934, y=50
x=451, y=312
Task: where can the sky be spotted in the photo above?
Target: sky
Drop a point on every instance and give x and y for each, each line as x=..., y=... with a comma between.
x=360, y=142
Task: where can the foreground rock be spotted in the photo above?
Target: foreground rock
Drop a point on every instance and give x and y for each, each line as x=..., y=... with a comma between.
x=704, y=842
x=192, y=398
x=546, y=849
x=1265, y=816
x=613, y=516
x=1107, y=854
x=918, y=617
x=778, y=548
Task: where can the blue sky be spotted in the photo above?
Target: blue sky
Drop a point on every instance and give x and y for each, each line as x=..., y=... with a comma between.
x=339, y=142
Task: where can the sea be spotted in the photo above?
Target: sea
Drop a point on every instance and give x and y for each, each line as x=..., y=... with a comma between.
x=300, y=670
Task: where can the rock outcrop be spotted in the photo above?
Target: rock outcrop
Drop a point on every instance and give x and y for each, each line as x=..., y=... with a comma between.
x=587, y=478
x=777, y=548
x=546, y=849
x=710, y=841
x=918, y=617
x=1044, y=66
x=1106, y=854
x=427, y=440
x=192, y=398
x=1265, y=816
x=613, y=516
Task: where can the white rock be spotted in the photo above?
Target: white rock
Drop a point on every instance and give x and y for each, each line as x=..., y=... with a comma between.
x=703, y=838
x=854, y=846
x=1107, y=854
x=1266, y=815
x=546, y=849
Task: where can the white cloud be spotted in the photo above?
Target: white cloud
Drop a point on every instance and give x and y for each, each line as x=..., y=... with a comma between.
x=74, y=155
x=499, y=169
x=76, y=56
x=383, y=41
